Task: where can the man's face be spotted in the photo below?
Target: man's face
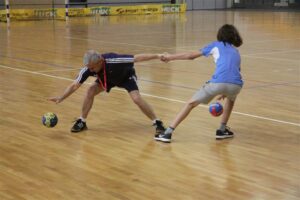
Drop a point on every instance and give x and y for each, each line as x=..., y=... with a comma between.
x=95, y=67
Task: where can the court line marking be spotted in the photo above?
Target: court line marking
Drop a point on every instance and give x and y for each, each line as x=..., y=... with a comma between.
x=118, y=43
x=272, y=40
x=141, y=45
x=266, y=84
x=273, y=52
x=155, y=47
x=154, y=96
x=250, y=42
x=141, y=64
x=148, y=64
x=73, y=69
x=57, y=70
x=271, y=58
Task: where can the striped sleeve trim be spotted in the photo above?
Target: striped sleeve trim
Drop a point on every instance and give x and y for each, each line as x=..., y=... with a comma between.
x=120, y=60
x=82, y=76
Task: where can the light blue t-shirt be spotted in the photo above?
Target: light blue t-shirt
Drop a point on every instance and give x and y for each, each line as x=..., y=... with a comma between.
x=228, y=62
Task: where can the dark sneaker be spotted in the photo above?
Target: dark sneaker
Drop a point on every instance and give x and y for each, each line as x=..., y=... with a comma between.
x=224, y=134
x=78, y=126
x=163, y=137
x=159, y=127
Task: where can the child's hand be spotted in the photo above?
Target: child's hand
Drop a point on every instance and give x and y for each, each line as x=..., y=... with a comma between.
x=220, y=97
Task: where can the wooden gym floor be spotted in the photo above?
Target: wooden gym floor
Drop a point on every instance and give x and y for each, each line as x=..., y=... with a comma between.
x=117, y=157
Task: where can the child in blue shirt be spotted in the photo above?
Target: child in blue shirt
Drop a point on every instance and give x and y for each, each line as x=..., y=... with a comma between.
x=226, y=81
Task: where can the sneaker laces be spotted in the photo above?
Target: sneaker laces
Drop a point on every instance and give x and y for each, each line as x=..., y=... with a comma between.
x=228, y=129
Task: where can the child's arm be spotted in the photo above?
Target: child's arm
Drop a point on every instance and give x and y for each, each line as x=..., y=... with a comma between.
x=181, y=56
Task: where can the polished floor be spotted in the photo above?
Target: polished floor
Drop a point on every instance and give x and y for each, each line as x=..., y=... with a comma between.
x=117, y=157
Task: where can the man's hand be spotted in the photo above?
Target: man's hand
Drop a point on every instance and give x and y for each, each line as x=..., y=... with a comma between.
x=55, y=99
x=68, y=91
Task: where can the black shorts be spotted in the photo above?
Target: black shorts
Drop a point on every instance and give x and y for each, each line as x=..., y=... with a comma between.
x=128, y=84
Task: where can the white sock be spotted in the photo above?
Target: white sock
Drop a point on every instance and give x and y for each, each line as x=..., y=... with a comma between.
x=82, y=119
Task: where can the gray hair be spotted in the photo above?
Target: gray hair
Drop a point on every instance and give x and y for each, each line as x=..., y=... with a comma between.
x=90, y=57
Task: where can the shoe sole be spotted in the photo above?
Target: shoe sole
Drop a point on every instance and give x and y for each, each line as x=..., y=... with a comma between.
x=224, y=137
x=163, y=140
x=75, y=131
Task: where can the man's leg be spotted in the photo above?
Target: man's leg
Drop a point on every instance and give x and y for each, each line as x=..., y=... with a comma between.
x=142, y=104
x=147, y=110
x=88, y=101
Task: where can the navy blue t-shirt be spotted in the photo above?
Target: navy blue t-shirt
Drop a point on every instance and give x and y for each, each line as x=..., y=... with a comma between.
x=118, y=68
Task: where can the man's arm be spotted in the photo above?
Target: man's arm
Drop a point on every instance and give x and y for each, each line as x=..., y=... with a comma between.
x=145, y=57
x=181, y=56
x=68, y=91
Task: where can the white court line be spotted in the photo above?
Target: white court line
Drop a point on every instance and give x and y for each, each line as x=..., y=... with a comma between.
x=245, y=42
x=271, y=58
x=57, y=70
x=118, y=43
x=150, y=46
x=183, y=48
x=154, y=96
x=274, y=40
x=272, y=52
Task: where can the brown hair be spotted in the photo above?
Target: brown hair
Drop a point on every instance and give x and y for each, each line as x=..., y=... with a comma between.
x=228, y=33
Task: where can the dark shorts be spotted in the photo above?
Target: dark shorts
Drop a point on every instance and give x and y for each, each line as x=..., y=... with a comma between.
x=129, y=84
